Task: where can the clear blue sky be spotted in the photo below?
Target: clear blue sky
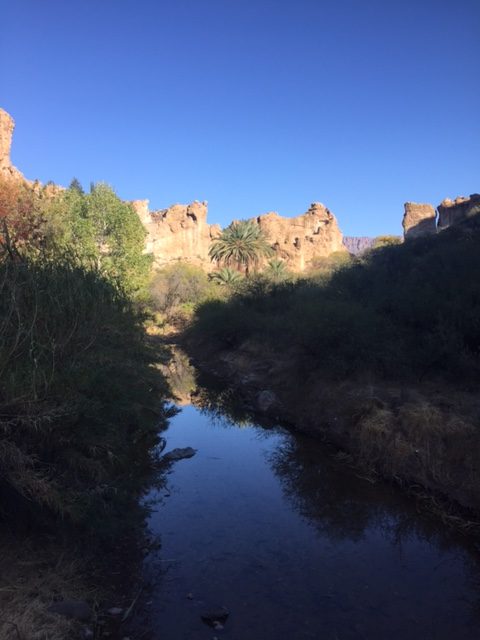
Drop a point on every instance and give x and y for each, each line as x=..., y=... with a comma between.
x=253, y=105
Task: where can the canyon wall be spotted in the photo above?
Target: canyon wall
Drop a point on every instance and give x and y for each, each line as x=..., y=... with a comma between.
x=451, y=212
x=181, y=232
x=298, y=241
x=423, y=219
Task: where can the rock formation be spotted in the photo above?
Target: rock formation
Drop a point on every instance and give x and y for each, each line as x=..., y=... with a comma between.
x=418, y=220
x=422, y=220
x=298, y=241
x=180, y=232
x=7, y=125
x=357, y=245
x=451, y=212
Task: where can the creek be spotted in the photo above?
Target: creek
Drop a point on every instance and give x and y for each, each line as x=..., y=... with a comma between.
x=294, y=544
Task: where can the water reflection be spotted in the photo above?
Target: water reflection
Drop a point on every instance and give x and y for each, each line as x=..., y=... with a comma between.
x=295, y=544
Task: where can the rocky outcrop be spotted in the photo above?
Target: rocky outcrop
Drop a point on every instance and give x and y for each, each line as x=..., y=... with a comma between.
x=357, y=245
x=298, y=241
x=452, y=212
x=418, y=220
x=7, y=125
x=180, y=232
x=422, y=219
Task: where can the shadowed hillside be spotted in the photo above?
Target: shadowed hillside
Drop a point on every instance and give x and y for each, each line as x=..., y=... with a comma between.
x=382, y=357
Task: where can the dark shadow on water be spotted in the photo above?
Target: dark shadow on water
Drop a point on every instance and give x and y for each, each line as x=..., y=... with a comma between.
x=294, y=543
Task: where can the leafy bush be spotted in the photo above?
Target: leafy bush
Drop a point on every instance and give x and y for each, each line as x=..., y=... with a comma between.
x=324, y=266
x=100, y=230
x=80, y=403
x=386, y=241
x=180, y=285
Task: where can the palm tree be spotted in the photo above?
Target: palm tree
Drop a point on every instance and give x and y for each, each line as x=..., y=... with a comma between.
x=242, y=244
x=277, y=270
x=226, y=277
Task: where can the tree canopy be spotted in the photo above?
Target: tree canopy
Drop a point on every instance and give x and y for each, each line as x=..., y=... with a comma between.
x=102, y=231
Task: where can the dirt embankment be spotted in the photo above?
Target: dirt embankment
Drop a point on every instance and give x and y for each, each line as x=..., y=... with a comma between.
x=425, y=439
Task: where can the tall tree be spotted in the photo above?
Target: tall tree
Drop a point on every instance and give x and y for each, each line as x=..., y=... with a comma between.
x=242, y=244
x=101, y=230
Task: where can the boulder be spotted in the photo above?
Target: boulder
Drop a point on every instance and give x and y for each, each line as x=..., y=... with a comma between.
x=178, y=454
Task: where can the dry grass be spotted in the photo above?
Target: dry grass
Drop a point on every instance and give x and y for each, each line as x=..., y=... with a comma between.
x=32, y=577
x=425, y=438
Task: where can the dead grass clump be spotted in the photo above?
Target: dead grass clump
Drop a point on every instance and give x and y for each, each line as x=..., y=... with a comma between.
x=421, y=421
x=374, y=432
x=33, y=576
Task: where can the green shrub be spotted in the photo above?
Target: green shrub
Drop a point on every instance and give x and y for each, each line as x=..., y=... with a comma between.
x=101, y=231
x=180, y=285
x=80, y=403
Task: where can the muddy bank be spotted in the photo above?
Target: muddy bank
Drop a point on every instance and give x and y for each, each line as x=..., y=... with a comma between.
x=424, y=439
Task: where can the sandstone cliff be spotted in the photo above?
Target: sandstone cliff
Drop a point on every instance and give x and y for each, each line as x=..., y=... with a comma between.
x=418, y=220
x=298, y=241
x=180, y=232
x=7, y=125
x=422, y=219
x=451, y=212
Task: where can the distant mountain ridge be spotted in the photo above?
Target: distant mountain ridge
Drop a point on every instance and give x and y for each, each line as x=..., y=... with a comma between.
x=357, y=244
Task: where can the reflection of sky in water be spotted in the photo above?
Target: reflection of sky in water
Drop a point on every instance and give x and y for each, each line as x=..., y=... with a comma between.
x=296, y=546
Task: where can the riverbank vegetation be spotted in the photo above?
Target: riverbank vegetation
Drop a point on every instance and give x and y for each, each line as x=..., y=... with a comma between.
x=380, y=355
x=81, y=397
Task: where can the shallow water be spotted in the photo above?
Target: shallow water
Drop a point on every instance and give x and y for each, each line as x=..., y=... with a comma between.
x=296, y=546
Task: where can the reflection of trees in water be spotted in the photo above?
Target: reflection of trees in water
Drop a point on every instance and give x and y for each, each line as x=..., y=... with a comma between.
x=324, y=491
x=180, y=375
x=328, y=498
x=220, y=401
x=342, y=505
x=327, y=493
